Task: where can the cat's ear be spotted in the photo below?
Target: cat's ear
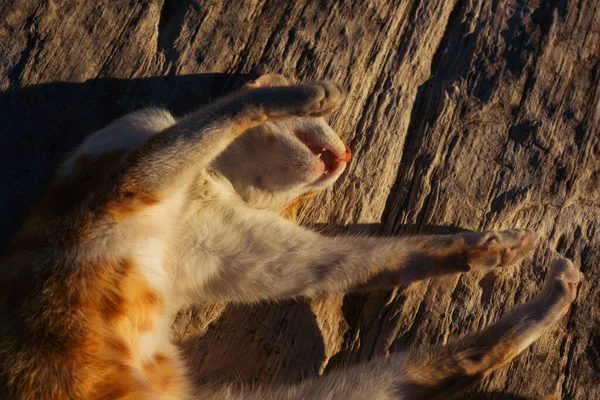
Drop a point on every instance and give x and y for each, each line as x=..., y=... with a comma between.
x=267, y=80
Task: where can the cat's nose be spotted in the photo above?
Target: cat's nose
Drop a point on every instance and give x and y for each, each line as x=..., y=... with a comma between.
x=346, y=156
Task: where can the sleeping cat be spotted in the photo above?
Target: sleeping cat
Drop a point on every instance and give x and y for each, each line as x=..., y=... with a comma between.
x=153, y=213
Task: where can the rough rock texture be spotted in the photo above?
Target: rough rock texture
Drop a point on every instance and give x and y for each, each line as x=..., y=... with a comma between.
x=461, y=114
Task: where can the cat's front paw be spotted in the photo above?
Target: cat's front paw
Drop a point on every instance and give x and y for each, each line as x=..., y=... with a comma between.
x=326, y=96
x=310, y=99
x=496, y=249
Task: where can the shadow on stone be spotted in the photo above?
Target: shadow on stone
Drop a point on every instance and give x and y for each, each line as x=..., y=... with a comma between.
x=40, y=124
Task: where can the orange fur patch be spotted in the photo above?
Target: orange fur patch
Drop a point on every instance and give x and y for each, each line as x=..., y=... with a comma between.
x=290, y=211
x=120, y=382
x=130, y=202
x=247, y=123
x=161, y=372
x=94, y=189
x=82, y=332
x=118, y=349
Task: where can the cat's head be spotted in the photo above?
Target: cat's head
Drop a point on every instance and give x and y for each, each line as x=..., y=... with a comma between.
x=278, y=162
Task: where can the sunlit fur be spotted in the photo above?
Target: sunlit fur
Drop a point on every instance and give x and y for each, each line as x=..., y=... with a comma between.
x=153, y=213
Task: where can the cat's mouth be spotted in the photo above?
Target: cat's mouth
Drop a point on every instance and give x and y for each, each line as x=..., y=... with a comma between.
x=331, y=159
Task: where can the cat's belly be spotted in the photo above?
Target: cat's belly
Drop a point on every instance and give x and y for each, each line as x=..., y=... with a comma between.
x=144, y=332
x=158, y=361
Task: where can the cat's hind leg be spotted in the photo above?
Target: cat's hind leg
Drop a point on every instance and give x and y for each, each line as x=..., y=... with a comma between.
x=440, y=372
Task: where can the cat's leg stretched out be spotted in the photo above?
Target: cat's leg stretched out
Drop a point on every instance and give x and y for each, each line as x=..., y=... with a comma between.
x=266, y=257
x=439, y=372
